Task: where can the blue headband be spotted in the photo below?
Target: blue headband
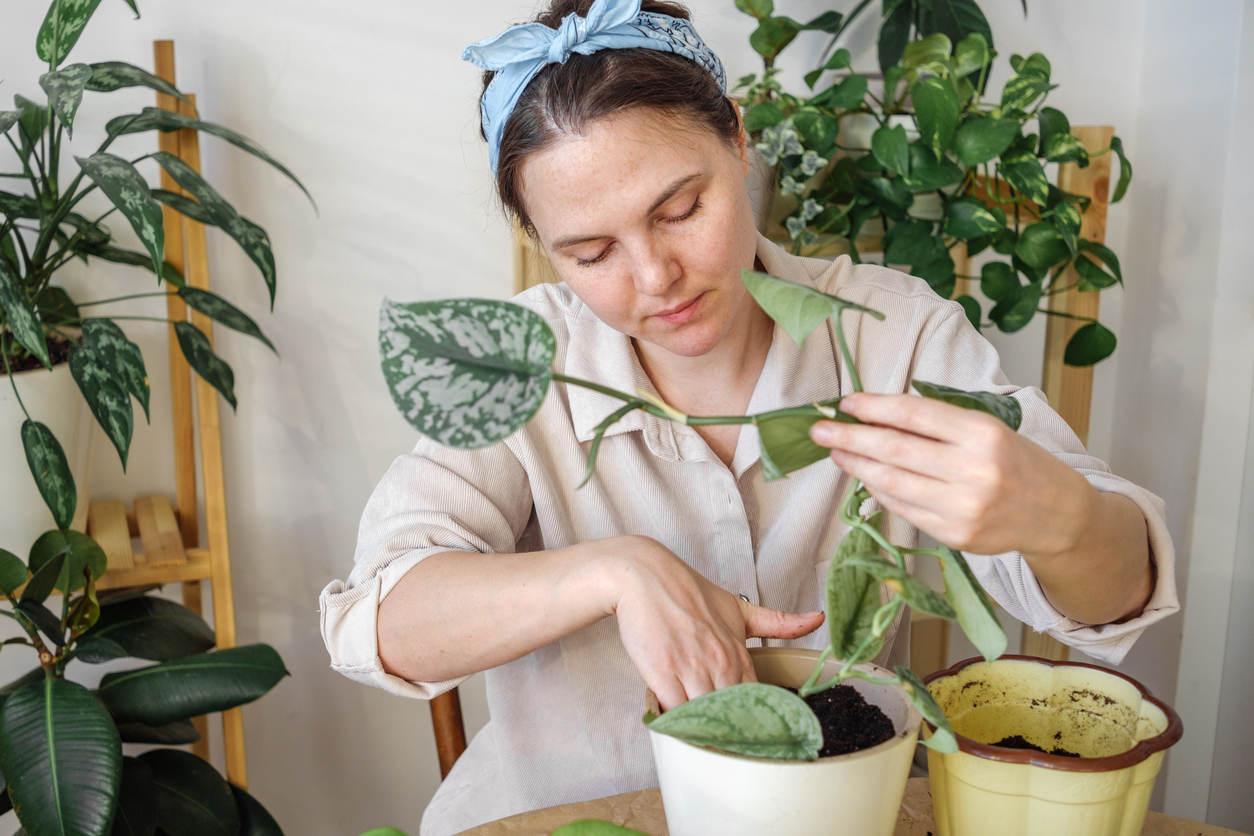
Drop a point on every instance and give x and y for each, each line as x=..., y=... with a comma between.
x=518, y=53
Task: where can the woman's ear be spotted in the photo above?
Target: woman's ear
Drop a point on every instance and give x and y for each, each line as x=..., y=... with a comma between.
x=742, y=138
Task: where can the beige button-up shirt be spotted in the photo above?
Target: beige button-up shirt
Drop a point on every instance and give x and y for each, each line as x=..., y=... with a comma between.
x=565, y=720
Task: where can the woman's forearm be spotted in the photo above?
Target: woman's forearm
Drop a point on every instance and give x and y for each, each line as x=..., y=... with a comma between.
x=458, y=613
x=1106, y=577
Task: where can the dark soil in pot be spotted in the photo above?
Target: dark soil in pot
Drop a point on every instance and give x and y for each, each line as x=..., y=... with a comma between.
x=850, y=723
x=58, y=352
x=1017, y=742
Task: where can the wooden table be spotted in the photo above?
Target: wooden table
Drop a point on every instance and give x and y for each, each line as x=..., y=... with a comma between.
x=643, y=811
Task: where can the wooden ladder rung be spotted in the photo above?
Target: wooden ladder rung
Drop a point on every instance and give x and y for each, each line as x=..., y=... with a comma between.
x=106, y=523
x=159, y=531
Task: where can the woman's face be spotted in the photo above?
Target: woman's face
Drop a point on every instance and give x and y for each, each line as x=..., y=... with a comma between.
x=648, y=220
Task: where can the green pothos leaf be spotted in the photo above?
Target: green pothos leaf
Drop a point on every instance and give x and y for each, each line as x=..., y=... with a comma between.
x=796, y=308
x=200, y=356
x=106, y=396
x=975, y=612
x=465, y=372
x=65, y=91
x=1004, y=407
x=1125, y=170
x=917, y=594
x=124, y=186
x=51, y=470
x=942, y=739
x=853, y=596
x=21, y=316
x=784, y=437
x=61, y=27
x=120, y=355
x=754, y=719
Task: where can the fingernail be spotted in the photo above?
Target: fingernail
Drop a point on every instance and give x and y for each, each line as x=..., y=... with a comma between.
x=821, y=432
x=811, y=614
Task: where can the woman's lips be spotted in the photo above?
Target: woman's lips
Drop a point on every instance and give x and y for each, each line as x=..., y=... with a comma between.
x=681, y=314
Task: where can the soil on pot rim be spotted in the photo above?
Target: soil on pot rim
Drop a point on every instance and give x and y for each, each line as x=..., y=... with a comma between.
x=1017, y=742
x=850, y=723
x=58, y=352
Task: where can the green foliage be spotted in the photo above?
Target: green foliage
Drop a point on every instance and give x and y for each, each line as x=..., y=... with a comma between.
x=1003, y=407
x=586, y=827
x=764, y=721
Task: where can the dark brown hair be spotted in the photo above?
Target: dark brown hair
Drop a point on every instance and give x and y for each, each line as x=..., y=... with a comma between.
x=563, y=98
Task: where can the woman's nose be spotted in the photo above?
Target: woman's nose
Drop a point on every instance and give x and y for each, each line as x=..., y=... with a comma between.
x=656, y=270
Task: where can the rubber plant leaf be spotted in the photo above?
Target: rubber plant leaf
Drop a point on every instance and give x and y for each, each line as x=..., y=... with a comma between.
x=42, y=582
x=959, y=19
x=21, y=316
x=591, y=827
x=80, y=551
x=752, y=718
x=784, y=437
x=917, y=594
x=109, y=343
x=153, y=628
x=137, y=803
x=220, y=310
x=151, y=118
x=465, y=372
x=853, y=596
x=975, y=612
x=1004, y=407
x=108, y=76
x=254, y=819
x=12, y=572
x=126, y=189
x=63, y=24
x=214, y=210
x=192, y=799
x=65, y=92
x=62, y=758
x=51, y=469
x=106, y=396
x=177, y=733
x=199, y=353
x=942, y=739
x=794, y=307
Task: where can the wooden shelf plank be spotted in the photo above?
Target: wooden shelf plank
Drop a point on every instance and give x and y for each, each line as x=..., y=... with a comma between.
x=106, y=523
x=196, y=568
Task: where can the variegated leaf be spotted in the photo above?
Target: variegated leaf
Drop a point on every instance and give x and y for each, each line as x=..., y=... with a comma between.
x=33, y=122
x=200, y=356
x=108, y=76
x=121, y=355
x=151, y=118
x=134, y=8
x=465, y=372
x=51, y=470
x=124, y=186
x=65, y=92
x=1003, y=407
x=62, y=26
x=184, y=205
x=213, y=209
x=117, y=255
x=219, y=310
x=752, y=718
x=8, y=118
x=106, y=397
x=853, y=596
x=20, y=315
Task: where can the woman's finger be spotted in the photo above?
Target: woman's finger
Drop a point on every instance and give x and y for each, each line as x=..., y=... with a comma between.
x=886, y=480
x=921, y=416
x=670, y=692
x=763, y=623
x=697, y=682
x=900, y=449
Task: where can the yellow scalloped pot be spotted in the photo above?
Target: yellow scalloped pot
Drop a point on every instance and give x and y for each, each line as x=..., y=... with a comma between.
x=1117, y=727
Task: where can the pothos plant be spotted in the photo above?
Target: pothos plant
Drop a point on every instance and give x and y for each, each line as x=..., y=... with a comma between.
x=469, y=372
x=42, y=229
x=64, y=772
x=941, y=163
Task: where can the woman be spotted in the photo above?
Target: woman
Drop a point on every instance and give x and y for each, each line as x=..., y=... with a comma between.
x=613, y=143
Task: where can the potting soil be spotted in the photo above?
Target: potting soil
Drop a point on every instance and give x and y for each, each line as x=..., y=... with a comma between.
x=849, y=722
x=1018, y=742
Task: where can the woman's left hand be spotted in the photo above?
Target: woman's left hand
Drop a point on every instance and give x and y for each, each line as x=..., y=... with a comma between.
x=960, y=475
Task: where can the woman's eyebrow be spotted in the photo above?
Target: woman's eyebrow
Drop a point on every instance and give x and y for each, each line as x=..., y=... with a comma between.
x=666, y=195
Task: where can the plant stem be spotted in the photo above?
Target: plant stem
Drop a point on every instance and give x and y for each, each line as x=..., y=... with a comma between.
x=4, y=352
x=854, y=380
x=1066, y=315
x=121, y=299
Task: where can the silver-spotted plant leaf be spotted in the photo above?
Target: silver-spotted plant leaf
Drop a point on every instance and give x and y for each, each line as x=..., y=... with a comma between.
x=61, y=27
x=117, y=255
x=126, y=189
x=151, y=118
x=1003, y=407
x=917, y=594
x=219, y=310
x=784, y=437
x=465, y=372
x=51, y=470
x=8, y=118
x=106, y=396
x=108, y=76
x=184, y=205
x=213, y=209
x=65, y=92
x=794, y=307
x=942, y=739
x=199, y=353
x=853, y=596
x=975, y=612
x=752, y=718
x=121, y=355
x=21, y=316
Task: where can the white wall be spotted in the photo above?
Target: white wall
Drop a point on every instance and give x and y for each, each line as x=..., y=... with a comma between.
x=370, y=104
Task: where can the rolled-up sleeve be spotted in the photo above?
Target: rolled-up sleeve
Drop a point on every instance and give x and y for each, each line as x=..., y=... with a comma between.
x=431, y=501
x=956, y=355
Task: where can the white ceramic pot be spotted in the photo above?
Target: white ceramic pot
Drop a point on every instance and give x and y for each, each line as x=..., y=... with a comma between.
x=52, y=398
x=707, y=792
x=1117, y=727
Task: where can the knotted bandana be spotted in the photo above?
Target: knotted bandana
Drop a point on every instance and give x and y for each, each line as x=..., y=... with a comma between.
x=518, y=53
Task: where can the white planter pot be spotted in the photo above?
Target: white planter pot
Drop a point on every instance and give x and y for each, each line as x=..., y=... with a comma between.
x=705, y=791
x=52, y=398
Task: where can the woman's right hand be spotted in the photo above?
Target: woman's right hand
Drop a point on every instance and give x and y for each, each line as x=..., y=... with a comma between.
x=685, y=635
